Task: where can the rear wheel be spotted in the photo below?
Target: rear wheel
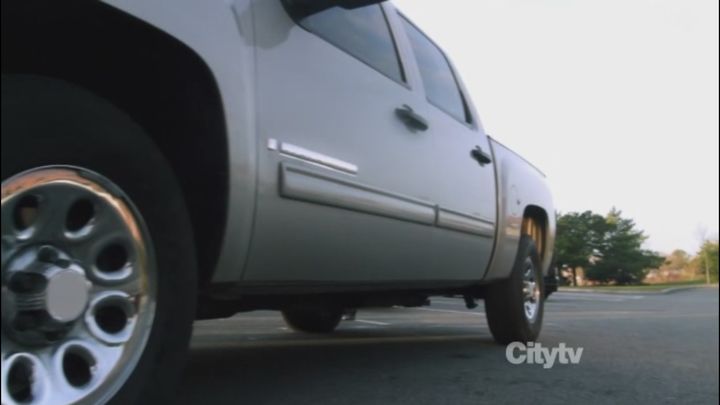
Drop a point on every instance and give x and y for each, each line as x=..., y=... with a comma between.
x=514, y=307
x=98, y=275
x=314, y=319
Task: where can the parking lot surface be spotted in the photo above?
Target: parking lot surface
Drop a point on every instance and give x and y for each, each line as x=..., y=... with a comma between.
x=637, y=348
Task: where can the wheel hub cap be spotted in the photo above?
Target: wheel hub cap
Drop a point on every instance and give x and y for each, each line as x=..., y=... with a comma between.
x=78, y=287
x=531, y=292
x=46, y=293
x=66, y=295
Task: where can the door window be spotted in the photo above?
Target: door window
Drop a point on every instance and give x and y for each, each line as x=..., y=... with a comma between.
x=362, y=32
x=441, y=87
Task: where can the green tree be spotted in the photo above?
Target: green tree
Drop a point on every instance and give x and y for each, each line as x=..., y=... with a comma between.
x=620, y=256
x=578, y=238
x=707, y=258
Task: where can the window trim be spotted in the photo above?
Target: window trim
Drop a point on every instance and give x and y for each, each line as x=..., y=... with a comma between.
x=469, y=119
x=401, y=66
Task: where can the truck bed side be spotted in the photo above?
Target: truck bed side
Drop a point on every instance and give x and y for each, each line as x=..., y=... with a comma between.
x=522, y=191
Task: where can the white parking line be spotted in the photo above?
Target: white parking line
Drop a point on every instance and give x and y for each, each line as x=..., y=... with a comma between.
x=599, y=295
x=593, y=297
x=446, y=300
x=450, y=311
x=372, y=322
x=216, y=344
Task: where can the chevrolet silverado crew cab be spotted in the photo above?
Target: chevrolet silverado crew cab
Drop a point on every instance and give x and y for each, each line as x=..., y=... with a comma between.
x=166, y=161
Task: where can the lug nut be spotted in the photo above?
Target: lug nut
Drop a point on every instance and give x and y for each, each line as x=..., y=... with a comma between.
x=48, y=254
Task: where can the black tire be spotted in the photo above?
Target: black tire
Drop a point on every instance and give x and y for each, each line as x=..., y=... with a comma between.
x=313, y=319
x=48, y=122
x=504, y=301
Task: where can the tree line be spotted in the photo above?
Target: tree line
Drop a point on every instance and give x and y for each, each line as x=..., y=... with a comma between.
x=609, y=250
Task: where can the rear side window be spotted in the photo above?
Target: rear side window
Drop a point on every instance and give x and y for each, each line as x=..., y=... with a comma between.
x=441, y=87
x=362, y=32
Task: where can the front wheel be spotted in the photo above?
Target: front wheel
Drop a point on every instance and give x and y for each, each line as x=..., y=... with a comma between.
x=514, y=307
x=98, y=273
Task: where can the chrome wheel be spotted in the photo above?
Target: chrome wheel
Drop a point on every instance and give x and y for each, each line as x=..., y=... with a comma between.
x=531, y=291
x=78, y=287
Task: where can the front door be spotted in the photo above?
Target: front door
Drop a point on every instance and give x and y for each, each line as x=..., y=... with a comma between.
x=343, y=193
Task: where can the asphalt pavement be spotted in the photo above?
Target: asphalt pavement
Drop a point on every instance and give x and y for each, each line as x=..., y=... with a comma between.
x=637, y=348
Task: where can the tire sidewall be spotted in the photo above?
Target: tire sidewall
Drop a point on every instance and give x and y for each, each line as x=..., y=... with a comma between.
x=47, y=122
x=504, y=300
x=532, y=328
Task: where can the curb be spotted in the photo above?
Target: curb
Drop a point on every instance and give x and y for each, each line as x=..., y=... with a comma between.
x=635, y=292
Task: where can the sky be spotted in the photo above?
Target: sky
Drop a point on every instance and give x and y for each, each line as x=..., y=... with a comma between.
x=616, y=101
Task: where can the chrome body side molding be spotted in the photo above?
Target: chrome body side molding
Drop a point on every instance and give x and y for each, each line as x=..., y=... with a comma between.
x=298, y=152
x=462, y=222
x=323, y=188
x=312, y=186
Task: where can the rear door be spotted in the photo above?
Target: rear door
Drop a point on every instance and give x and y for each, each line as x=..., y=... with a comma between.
x=464, y=178
x=344, y=183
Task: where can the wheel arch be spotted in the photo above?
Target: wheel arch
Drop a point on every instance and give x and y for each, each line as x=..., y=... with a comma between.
x=535, y=224
x=540, y=226
x=156, y=79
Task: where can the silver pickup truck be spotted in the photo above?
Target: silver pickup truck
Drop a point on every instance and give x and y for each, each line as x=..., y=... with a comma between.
x=171, y=160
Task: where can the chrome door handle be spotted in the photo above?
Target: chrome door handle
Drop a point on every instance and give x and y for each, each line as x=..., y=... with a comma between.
x=411, y=118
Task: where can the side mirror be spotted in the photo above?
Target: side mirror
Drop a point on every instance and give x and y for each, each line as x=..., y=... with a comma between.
x=304, y=8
